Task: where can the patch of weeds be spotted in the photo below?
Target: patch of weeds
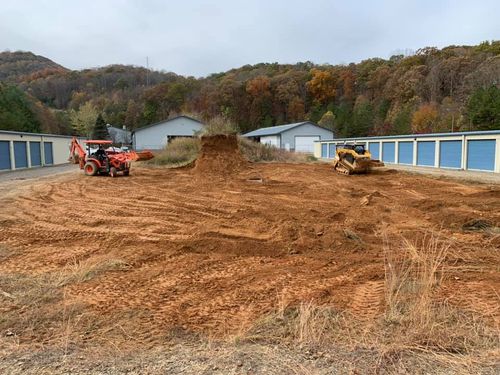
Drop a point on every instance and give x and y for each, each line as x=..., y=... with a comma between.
x=81, y=271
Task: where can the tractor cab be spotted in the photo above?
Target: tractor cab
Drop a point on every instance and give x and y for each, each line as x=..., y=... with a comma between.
x=94, y=146
x=101, y=160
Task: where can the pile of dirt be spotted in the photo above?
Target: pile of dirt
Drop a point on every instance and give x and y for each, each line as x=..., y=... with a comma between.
x=220, y=155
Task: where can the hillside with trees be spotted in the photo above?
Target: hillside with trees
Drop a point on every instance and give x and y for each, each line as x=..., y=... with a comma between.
x=433, y=90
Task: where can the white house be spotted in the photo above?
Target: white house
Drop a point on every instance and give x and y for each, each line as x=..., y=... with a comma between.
x=156, y=136
x=298, y=137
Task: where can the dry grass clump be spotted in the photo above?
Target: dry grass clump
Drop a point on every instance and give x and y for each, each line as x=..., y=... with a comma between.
x=220, y=125
x=179, y=152
x=417, y=320
x=183, y=151
x=259, y=152
x=307, y=323
x=34, y=307
x=413, y=273
x=417, y=327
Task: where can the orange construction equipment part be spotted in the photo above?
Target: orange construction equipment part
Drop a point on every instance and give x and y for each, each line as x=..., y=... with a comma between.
x=104, y=162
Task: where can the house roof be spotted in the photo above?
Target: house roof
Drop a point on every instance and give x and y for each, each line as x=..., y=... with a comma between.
x=165, y=121
x=273, y=130
x=38, y=134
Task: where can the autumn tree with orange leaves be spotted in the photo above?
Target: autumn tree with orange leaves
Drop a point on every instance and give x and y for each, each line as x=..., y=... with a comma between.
x=425, y=119
x=322, y=86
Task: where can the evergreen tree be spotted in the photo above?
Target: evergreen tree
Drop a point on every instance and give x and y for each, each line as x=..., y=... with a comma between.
x=362, y=119
x=343, y=119
x=100, y=130
x=484, y=108
x=16, y=110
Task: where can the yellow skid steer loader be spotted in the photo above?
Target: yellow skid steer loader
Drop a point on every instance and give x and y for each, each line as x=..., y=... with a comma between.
x=353, y=159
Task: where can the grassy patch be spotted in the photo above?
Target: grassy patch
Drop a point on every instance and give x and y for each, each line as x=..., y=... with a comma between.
x=179, y=152
x=259, y=152
x=417, y=333
x=183, y=151
x=34, y=308
x=220, y=125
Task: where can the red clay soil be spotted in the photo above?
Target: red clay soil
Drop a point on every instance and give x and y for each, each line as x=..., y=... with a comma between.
x=220, y=156
x=213, y=256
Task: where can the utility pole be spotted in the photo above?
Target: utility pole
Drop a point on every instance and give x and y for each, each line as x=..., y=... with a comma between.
x=147, y=71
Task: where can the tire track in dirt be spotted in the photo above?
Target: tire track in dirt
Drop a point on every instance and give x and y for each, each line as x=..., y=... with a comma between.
x=367, y=300
x=479, y=297
x=213, y=256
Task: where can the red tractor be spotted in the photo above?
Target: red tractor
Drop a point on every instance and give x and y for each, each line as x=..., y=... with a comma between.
x=98, y=161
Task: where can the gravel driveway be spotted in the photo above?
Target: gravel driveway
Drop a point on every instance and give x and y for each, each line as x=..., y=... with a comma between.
x=32, y=173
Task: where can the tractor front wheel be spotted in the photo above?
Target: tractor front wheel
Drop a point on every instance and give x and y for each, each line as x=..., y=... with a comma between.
x=90, y=169
x=126, y=172
x=113, y=172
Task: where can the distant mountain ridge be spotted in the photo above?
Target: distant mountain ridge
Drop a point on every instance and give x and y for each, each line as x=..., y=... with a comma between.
x=434, y=90
x=15, y=66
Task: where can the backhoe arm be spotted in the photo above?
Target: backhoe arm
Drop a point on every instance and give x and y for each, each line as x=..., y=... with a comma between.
x=76, y=152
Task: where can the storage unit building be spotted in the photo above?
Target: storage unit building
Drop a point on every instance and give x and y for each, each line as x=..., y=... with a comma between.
x=479, y=151
x=157, y=136
x=299, y=137
x=19, y=150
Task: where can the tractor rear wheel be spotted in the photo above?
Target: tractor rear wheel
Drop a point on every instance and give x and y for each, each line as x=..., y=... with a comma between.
x=113, y=172
x=90, y=169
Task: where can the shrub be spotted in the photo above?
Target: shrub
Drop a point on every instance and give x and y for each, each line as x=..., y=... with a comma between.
x=256, y=152
x=220, y=125
x=179, y=152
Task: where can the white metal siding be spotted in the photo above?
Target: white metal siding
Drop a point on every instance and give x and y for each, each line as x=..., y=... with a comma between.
x=305, y=143
x=307, y=130
x=272, y=140
x=156, y=137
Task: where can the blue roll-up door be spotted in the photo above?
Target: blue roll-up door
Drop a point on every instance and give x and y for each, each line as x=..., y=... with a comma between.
x=20, y=154
x=388, y=152
x=374, y=148
x=4, y=155
x=35, y=154
x=331, y=150
x=481, y=154
x=47, y=149
x=450, y=154
x=324, y=150
x=426, y=153
x=405, y=153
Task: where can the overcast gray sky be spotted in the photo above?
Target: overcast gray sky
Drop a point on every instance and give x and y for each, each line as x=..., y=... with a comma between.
x=199, y=37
